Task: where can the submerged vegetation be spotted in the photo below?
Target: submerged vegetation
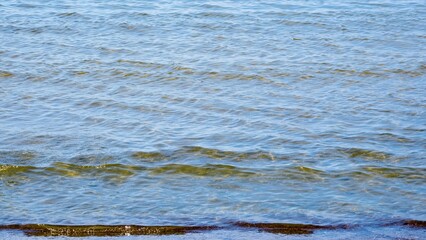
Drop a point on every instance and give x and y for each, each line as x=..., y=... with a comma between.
x=5, y=74
x=211, y=170
x=366, y=154
x=48, y=230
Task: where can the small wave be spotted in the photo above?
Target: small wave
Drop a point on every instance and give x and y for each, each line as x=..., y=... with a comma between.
x=69, y=14
x=141, y=63
x=208, y=170
x=92, y=159
x=366, y=154
x=393, y=137
x=177, y=70
x=308, y=174
x=219, y=154
x=124, y=73
x=17, y=155
x=211, y=6
x=216, y=15
x=379, y=72
x=302, y=173
x=151, y=156
x=197, y=151
x=397, y=172
x=24, y=5
x=104, y=170
x=411, y=73
x=232, y=76
x=185, y=70
x=301, y=23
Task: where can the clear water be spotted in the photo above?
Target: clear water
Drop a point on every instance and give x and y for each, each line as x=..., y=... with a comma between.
x=203, y=112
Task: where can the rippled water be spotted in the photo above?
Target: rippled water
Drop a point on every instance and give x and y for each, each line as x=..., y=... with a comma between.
x=203, y=112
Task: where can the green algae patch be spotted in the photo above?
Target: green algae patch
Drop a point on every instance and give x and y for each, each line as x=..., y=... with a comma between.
x=152, y=156
x=369, y=73
x=123, y=73
x=219, y=154
x=286, y=228
x=45, y=230
x=63, y=172
x=302, y=173
x=211, y=153
x=397, y=172
x=308, y=170
x=345, y=71
x=142, y=64
x=366, y=154
x=12, y=170
x=184, y=70
x=209, y=170
x=393, y=137
x=410, y=73
x=5, y=74
x=79, y=73
x=104, y=168
x=356, y=175
x=108, y=172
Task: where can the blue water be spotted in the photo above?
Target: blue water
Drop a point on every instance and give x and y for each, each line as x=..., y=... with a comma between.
x=204, y=112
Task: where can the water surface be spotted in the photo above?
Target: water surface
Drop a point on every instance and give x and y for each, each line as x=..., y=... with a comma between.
x=208, y=112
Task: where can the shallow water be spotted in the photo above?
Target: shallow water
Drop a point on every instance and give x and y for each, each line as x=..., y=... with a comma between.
x=205, y=112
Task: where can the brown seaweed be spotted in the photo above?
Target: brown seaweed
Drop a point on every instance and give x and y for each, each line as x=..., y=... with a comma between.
x=287, y=228
x=415, y=223
x=46, y=230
